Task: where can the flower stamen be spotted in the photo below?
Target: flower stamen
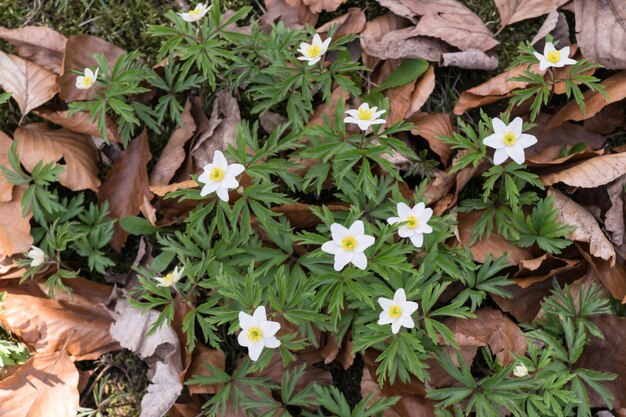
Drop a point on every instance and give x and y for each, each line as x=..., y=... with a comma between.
x=314, y=51
x=553, y=56
x=348, y=243
x=254, y=334
x=217, y=174
x=395, y=311
x=412, y=222
x=364, y=114
x=509, y=138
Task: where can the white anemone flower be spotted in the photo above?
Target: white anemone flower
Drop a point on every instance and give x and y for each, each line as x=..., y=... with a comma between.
x=553, y=57
x=397, y=312
x=195, y=14
x=416, y=222
x=365, y=116
x=36, y=255
x=170, y=279
x=257, y=332
x=348, y=245
x=219, y=176
x=520, y=371
x=509, y=141
x=314, y=51
x=87, y=80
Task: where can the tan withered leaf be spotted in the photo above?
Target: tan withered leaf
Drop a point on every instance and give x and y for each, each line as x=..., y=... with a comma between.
x=431, y=126
x=352, y=22
x=126, y=185
x=423, y=89
x=590, y=173
x=79, y=54
x=46, y=385
x=587, y=228
x=512, y=11
x=202, y=356
x=38, y=44
x=173, y=154
x=615, y=86
x=317, y=6
x=6, y=188
x=470, y=59
x=611, y=274
x=601, y=31
x=607, y=355
x=14, y=229
x=293, y=13
x=79, y=325
x=29, y=84
x=37, y=142
x=555, y=25
x=77, y=122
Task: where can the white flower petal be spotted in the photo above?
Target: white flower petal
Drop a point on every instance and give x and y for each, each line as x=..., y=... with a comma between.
x=353, y=113
x=409, y=308
x=242, y=339
x=326, y=43
x=235, y=169
x=498, y=126
x=500, y=156
x=525, y=140
x=219, y=160
x=494, y=141
x=341, y=260
x=259, y=315
x=564, y=52
x=338, y=232
x=545, y=64
x=271, y=342
x=404, y=210
x=516, y=126
x=425, y=215
x=315, y=60
x=364, y=242
x=408, y=323
x=317, y=40
x=384, y=318
x=417, y=240
x=393, y=220
x=246, y=320
x=330, y=247
x=538, y=55
x=254, y=350
x=549, y=46
x=364, y=124
x=568, y=61
x=395, y=326
x=516, y=153
x=359, y=260
x=209, y=188
x=222, y=193
x=357, y=228
x=385, y=303
x=269, y=328
x=404, y=231
x=399, y=296
x=229, y=181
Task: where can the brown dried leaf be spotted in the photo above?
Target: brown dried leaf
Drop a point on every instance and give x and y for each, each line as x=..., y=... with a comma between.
x=293, y=13
x=77, y=122
x=202, y=356
x=606, y=120
x=29, y=84
x=6, y=188
x=352, y=22
x=44, y=386
x=79, y=54
x=78, y=325
x=431, y=126
x=174, y=154
x=447, y=20
x=37, y=142
x=615, y=86
x=317, y=6
x=611, y=274
x=513, y=11
x=587, y=228
x=590, y=173
x=38, y=44
x=14, y=229
x=601, y=31
x=223, y=123
x=607, y=355
x=470, y=59
x=126, y=185
x=423, y=89
x=555, y=25
x=614, y=218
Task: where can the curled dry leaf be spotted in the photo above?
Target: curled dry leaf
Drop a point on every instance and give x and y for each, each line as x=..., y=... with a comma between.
x=423, y=89
x=79, y=54
x=352, y=22
x=14, y=229
x=540, y=269
x=293, y=13
x=606, y=120
x=174, y=154
x=587, y=228
x=38, y=44
x=432, y=126
x=46, y=385
x=78, y=122
x=555, y=25
x=202, y=356
x=29, y=84
x=615, y=86
x=317, y=6
x=126, y=185
x=593, y=172
x=77, y=325
x=6, y=188
x=611, y=274
x=37, y=142
x=513, y=11
x=614, y=218
x=470, y=59
x=601, y=31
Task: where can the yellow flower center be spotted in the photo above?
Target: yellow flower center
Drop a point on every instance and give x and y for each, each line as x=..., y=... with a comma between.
x=348, y=243
x=554, y=56
x=195, y=11
x=314, y=51
x=254, y=334
x=365, y=114
x=509, y=138
x=395, y=311
x=168, y=278
x=411, y=222
x=217, y=174
x=87, y=81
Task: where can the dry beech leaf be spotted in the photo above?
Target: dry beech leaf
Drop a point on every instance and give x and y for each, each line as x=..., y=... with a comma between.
x=6, y=188
x=601, y=31
x=615, y=86
x=494, y=244
x=448, y=20
x=587, y=228
x=607, y=355
x=174, y=154
x=37, y=142
x=539, y=269
x=606, y=120
x=352, y=22
x=614, y=217
x=202, y=356
x=79, y=54
x=590, y=173
x=611, y=274
x=293, y=13
x=46, y=385
x=301, y=215
x=513, y=11
x=317, y=6
x=423, y=89
x=79, y=325
x=470, y=59
x=162, y=190
x=431, y=126
x=14, y=229
x=126, y=185
x=77, y=122
x=555, y=25
x=225, y=118
x=38, y=44
x=29, y=84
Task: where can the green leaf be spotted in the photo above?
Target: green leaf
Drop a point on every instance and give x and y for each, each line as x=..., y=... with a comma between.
x=409, y=70
x=138, y=226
